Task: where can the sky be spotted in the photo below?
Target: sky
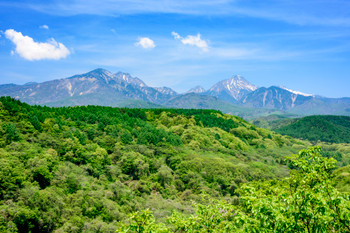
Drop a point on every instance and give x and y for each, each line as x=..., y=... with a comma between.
x=303, y=45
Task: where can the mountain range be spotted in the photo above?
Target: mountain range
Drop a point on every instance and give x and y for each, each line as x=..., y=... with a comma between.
x=235, y=95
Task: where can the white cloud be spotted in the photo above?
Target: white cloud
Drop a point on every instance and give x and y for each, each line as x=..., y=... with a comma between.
x=196, y=41
x=176, y=35
x=192, y=40
x=27, y=48
x=44, y=27
x=145, y=43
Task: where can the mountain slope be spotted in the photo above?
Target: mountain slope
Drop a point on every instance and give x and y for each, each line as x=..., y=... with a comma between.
x=335, y=129
x=132, y=103
x=166, y=91
x=196, y=101
x=79, y=89
x=231, y=90
x=323, y=106
x=199, y=101
x=274, y=97
x=274, y=121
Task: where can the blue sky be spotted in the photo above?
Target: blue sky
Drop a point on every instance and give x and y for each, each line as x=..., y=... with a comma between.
x=300, y=44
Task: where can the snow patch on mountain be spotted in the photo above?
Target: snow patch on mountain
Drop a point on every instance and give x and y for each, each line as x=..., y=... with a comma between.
x=296, y=92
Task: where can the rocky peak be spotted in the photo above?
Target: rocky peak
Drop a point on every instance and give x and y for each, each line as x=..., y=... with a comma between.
x=232, y=89
x=196, y=89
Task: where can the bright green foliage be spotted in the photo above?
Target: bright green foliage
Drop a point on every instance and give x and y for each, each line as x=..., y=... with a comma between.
x=217, y=216
x=11, y=132
x=334, y=129
x=342, y=179
x=142, y=222
x=304, y=202
x=85, y=169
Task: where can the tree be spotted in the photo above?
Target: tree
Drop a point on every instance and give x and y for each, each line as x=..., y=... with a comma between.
x=142, y=222
x=304, y=202
x=12, y=133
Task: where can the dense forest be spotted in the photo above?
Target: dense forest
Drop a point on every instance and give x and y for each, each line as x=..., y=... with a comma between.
x=334, y=129
x=103, y=169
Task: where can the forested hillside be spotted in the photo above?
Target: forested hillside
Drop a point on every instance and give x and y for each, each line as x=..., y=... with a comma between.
x=334, y=129
x=86, y=169
x=274, y=121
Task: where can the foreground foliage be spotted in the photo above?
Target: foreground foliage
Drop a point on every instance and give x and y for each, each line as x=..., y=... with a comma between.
x=85, y=169
x=304, y=202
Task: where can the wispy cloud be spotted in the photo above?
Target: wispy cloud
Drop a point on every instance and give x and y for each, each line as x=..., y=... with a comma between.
x=145, y=43
x=176, y=35
x=299, y=13
x=44, y=27
x=117, y=7
x=307, y=12
x=30, y=50
x=192, y=40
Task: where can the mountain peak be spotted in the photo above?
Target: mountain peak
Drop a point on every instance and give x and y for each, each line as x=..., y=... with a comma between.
x=238, y=82
x=232, y=89
x=166, y=90
x=129, y=79
x=100, y=71
x=108, y=77
x=196, y=89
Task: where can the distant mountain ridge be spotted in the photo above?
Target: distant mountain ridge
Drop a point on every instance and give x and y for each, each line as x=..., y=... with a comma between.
x=102, y=87
x=99, y=83
x=196, y=89
x=274, y=97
